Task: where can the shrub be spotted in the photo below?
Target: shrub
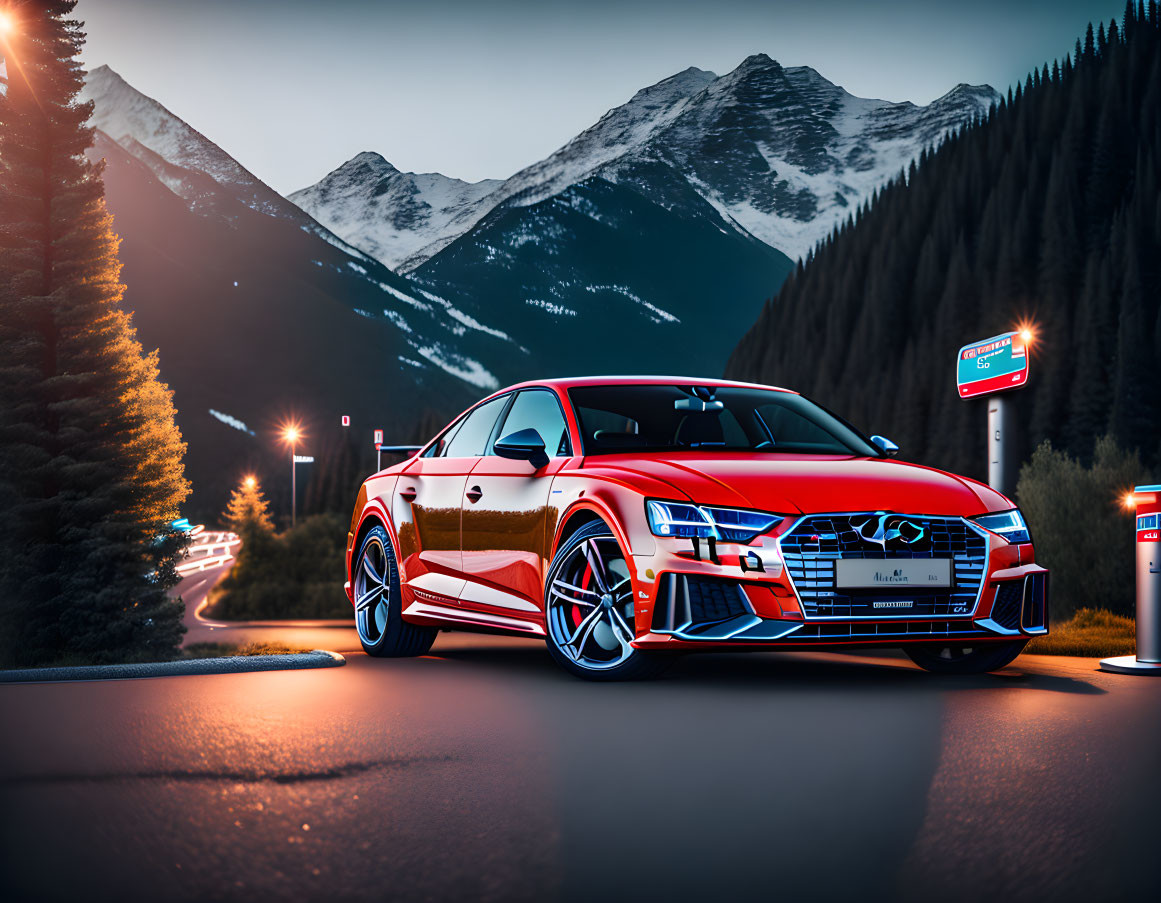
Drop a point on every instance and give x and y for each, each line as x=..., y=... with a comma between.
x=1081, y=532
x=296, y=574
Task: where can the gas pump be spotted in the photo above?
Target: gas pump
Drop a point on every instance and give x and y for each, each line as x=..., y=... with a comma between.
x=1148, y=525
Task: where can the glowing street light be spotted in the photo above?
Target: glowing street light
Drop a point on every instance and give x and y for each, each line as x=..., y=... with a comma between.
x=7, y=24
x=1026, y=329
x=291, y=433
x=250, y=482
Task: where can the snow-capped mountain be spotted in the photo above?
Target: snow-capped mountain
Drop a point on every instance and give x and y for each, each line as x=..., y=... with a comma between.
x=438, y=333
x=783, y=152
x=392, y=215
x=260, y=312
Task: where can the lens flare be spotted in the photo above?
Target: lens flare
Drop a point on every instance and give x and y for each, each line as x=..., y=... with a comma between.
x=291, y=432
x=1026, y=329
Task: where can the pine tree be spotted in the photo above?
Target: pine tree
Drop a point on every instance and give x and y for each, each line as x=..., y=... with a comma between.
x=91, y=472
x=248, y=512
x=1050, y=208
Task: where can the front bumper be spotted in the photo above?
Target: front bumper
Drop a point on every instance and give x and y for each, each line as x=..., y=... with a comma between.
x=746, y=595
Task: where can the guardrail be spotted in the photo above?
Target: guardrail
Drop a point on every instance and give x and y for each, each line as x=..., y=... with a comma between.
x=205, y=553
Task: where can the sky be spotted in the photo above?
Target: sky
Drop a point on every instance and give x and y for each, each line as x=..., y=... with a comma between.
x=482, y=88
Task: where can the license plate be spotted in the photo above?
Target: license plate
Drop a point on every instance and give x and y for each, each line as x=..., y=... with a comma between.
x=858, y=573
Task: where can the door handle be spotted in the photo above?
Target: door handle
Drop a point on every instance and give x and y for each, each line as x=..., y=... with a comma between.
x=474, y=494
x=407, y=493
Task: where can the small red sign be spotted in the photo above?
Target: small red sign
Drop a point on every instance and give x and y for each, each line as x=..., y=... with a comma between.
x=378, y=437
x=346, y=420
x=378, y=446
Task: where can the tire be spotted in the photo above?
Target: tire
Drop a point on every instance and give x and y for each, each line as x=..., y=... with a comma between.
x=964, y=658
x=378, y=610
x=589, y=623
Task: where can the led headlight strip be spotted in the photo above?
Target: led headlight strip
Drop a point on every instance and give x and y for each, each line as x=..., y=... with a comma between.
x=1007, y=524
x=687, y=521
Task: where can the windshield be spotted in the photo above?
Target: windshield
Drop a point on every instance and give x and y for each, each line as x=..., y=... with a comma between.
x=674, y=418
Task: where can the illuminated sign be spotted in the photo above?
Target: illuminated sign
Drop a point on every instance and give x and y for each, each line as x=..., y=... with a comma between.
x=378, y=437
x=993, y=365
x=346, y=420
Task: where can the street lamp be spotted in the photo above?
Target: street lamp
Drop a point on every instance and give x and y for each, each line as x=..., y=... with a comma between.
x=291, y=433
x=250, y=482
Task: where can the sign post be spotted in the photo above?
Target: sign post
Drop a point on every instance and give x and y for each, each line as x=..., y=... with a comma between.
x=990, y=367
x=1147, y=500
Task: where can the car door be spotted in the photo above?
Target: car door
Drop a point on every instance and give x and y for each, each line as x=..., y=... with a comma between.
x=427, y=500
x=504, y=535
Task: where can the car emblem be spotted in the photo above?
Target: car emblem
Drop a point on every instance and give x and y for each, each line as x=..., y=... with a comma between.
x=890, y=528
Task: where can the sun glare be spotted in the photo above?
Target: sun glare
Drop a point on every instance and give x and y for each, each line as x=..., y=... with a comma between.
x=6, y=23
x=250, y=482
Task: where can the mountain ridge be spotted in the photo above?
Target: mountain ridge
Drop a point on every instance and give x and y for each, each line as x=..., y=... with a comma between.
x=815, y=152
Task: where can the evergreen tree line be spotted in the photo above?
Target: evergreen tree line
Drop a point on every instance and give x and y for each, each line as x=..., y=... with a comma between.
x=1047, y=208
x=91, y=471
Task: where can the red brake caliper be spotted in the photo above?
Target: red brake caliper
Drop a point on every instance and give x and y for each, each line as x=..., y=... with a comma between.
x=576, y=609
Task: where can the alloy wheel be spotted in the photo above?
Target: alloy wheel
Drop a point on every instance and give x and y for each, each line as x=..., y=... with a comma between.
x=372, y=591
x=590, y=605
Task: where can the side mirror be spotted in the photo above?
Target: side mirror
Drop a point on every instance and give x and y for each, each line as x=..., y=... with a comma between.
x=886, y=446
x=523, y=445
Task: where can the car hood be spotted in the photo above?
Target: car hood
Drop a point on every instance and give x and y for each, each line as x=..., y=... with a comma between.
x=793, y=484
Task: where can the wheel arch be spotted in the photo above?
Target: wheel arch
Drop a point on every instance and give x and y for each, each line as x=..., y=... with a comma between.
x=581, y=514
x=374, y=515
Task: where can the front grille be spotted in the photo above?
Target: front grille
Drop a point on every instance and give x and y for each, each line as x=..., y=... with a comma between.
x=817, y=541
x=1006, y=608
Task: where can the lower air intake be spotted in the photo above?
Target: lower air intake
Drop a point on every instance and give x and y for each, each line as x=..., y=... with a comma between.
x=684, y=601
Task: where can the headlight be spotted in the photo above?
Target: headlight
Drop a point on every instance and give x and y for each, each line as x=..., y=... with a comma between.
x=688, y=521
x=1008, y=524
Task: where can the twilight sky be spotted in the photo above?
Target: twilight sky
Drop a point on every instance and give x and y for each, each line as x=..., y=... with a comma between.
x=481, y=88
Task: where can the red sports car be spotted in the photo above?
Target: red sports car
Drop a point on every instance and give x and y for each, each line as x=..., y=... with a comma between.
x=626, y=519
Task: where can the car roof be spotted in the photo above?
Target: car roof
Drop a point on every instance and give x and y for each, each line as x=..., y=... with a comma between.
x=568, y=382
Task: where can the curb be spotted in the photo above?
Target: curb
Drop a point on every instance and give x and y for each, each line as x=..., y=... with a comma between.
x=235, y=664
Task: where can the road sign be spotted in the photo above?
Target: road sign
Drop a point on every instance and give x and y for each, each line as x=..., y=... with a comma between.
x=346, y=420
x=991, y=366
x=378, y=437
x=378, y=446
x=303, y=459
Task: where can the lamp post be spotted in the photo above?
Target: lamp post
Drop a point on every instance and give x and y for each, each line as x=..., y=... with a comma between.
x=291, y=434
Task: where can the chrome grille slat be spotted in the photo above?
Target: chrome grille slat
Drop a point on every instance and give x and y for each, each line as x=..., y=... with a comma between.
x=813, y=545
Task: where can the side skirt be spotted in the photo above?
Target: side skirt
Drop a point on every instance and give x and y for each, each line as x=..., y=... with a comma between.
x=432, y=615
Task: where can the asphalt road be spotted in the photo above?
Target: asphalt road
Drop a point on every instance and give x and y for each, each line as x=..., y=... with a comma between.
x=483, y=772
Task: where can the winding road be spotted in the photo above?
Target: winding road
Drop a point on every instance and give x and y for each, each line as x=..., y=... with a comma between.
x=483, y=772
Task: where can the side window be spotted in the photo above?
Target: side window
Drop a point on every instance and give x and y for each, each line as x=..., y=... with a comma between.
x=539, y=410
x=437, y=448
x=471, y=438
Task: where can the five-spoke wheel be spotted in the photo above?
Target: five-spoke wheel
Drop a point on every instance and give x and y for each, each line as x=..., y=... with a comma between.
x=589, y=609
x=375, y=587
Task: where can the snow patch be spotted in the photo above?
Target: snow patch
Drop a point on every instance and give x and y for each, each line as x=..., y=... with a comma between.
x=657, y=315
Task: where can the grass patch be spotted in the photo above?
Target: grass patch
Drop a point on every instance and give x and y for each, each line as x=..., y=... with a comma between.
x=226, y=650
x=1092, y=632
